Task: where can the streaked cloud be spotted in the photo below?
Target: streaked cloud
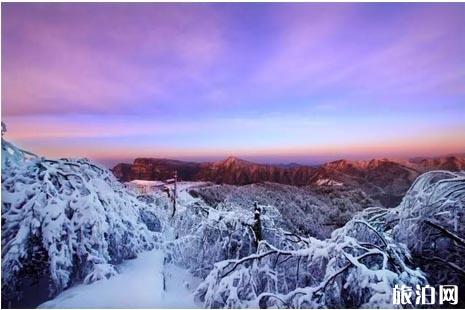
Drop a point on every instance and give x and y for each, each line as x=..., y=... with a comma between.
x=236, y=78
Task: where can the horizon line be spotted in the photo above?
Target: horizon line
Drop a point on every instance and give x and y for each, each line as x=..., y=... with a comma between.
x=284, y=163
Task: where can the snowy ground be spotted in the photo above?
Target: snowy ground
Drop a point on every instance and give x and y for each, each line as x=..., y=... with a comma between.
x=140, y=282
x=146, y=183
x=139, y=285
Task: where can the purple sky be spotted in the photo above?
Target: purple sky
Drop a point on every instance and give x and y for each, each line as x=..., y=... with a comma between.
x=267, y=82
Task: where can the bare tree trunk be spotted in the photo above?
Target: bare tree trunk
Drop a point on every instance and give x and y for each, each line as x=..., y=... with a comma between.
x=175, y=193
x=257, y=226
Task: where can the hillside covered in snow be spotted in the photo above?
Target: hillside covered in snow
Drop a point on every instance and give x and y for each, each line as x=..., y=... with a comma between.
x=73, y=236
x=384, y=180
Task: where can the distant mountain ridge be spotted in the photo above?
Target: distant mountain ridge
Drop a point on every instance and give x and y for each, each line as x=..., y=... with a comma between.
x=383, y=179
x=232, y=170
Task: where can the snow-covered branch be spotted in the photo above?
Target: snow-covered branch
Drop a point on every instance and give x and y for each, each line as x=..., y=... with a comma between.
x=70, y=218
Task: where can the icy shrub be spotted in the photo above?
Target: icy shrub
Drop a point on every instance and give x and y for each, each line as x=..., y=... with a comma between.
x=361, y=262
x=341, y=272
x=151, y=220
x=12, y=156
x=421, y=241
x=305, y=211
x=67, y=220
x=431, y=222
x=204, y=235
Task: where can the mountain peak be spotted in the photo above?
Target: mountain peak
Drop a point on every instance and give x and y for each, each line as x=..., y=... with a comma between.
x=232, y=160
x=358, y=164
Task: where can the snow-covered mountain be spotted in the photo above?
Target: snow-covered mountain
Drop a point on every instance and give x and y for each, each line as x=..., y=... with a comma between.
x=384, y=180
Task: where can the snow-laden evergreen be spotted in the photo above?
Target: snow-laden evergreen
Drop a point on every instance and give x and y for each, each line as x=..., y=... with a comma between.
x=66, y=221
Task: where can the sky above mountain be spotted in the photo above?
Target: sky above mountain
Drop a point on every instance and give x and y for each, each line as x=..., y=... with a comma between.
x=269, y=82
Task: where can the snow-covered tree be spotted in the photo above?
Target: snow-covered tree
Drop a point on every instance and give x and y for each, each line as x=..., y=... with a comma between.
x=306, y=211
x=204, y=235
x=3, y=128
x=66, y=221
x=339, y=272
x=361, y=262
x=431, y=222
x=11, y=154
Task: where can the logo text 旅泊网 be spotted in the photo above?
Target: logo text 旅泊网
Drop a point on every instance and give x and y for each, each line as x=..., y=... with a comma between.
x=426, y=295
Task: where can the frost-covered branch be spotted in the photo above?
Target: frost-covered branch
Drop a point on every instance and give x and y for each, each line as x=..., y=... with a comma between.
x=70, y=218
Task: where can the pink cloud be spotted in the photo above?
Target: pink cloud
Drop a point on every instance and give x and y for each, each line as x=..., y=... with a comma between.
x=84, y=60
